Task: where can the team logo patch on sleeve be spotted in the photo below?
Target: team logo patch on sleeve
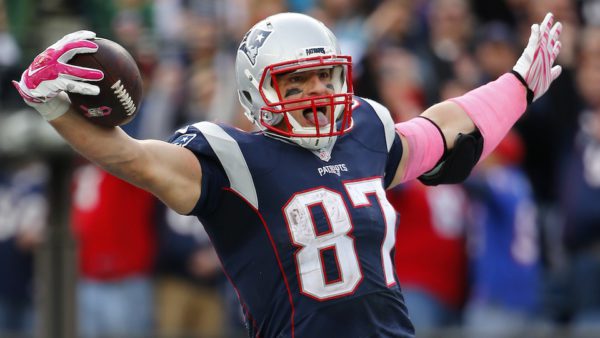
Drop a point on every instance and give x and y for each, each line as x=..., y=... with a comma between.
x=252, y=41
x=184, y=139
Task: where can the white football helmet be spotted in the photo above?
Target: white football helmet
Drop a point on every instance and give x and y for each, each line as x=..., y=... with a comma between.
x=285, y=43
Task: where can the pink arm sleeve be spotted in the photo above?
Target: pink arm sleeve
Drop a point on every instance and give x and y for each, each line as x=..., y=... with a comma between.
x=495, y=108
x=425, y=146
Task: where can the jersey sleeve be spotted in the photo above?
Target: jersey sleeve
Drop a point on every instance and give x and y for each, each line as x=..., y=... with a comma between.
x=395, y=155
x=214, y=178
x=392, y=140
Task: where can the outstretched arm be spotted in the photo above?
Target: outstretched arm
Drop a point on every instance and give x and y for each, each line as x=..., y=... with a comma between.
x=472, y=125
x=170, y=172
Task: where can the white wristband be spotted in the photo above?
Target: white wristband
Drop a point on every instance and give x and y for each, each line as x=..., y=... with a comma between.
x=52, y=108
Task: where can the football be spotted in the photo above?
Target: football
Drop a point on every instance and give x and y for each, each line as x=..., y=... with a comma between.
x=120, y=89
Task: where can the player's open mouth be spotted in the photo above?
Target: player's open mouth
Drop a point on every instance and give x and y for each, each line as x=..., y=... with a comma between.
x=318, y=116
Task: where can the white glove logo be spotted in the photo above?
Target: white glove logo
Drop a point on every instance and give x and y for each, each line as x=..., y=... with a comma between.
x=31, y=72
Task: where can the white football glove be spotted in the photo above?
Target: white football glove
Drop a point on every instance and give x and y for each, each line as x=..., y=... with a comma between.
x=43, y=83
x=535, y=66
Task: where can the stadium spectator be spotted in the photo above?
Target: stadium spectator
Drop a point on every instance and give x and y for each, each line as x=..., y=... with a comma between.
x=580, y=192
x=429, y=257
x=23, y=217
x=503, y=241
x=114, y=227
x=189, y=299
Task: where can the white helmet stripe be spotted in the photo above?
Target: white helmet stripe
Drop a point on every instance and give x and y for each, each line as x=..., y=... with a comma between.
x=231, y=157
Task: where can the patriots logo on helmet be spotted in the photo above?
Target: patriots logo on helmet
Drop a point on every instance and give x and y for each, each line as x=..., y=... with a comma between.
x=252, y=41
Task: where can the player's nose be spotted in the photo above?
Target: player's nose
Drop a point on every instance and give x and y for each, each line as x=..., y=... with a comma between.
x=317, y=86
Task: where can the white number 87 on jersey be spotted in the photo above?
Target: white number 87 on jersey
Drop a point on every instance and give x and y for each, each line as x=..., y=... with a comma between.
x=313, y=279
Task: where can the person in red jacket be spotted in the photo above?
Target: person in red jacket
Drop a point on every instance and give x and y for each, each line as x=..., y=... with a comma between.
x=114, y=228
x=430, y=256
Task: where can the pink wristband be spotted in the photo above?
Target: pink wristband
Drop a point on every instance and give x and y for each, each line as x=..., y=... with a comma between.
x=425, y=146
x=495, y=108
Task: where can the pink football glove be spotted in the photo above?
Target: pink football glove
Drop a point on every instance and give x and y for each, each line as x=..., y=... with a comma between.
x=42, y=85
x=535, y=64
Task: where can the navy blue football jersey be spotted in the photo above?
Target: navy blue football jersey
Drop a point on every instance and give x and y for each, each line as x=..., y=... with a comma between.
x=305, y=238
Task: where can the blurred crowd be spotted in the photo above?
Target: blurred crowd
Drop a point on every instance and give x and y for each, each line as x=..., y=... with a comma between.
x=514, y=248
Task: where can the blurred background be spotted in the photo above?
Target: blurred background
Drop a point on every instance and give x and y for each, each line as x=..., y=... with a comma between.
x=512, y=252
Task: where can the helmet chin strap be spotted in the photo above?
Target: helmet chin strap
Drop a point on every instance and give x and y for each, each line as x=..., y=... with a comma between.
x=312, y=143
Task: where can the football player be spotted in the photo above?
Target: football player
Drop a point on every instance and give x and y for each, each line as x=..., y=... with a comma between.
x=297, y=211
